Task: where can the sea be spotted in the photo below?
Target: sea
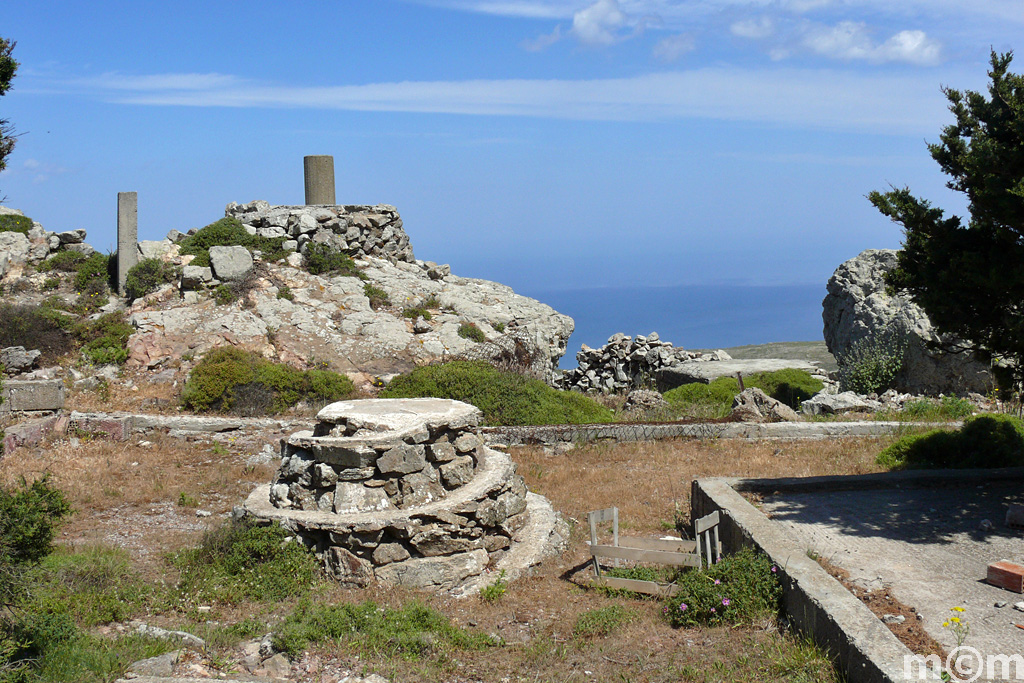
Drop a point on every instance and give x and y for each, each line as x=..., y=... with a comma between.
x=690, y=316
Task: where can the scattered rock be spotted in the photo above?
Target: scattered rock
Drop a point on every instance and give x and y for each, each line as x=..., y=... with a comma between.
x=753, y=405
x=893, y=618
x=161, y=666
x=835, y=404
x=230, y=263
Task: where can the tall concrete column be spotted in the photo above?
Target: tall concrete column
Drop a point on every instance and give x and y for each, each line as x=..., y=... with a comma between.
x=319, y=172
x=127, y=235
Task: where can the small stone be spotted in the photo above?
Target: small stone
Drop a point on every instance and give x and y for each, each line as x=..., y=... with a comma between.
x=441, y=452
x=893, y=618
x=203, y=513
x=467, y=443
x=386, y=553
x=1000, y=604
x=402, y=459
x=1019, y=606
x=276, y=667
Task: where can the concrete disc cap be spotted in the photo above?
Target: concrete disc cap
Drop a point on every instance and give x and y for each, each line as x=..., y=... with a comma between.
x=398, y=414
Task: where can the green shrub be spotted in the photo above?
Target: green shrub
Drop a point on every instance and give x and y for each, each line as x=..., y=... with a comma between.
x=493, y=591
x=602, y=621
x=504, y=397
x=228, y=232
x=498, y=327
x=241, y=561
x=51, y=283
x=984, y=441
x=285, y=292
x=409, y=632
x=234, y=380
x=790, y=385
x=414, y=312
x=64, y=261
x=105, y=340
x=148, y=274
x=322, y=259
x=948, y=408
x=377, y=296
x=29, y=517
x=96, y=270
x=14, y=223
x=740, y=589
x=472, y=332
x=36, y=327
x=870, y=364
x=431, y=302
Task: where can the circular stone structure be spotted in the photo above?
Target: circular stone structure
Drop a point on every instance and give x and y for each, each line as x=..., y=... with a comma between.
x=404, y=491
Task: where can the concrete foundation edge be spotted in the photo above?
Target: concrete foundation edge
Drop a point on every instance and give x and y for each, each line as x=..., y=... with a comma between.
x=817, y=605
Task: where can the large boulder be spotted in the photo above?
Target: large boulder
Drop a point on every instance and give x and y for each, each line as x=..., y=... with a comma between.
x=705, y=372
x=858, y=306
x=230, y=263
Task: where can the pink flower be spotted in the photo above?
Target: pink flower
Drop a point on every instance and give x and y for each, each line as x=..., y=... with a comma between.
x=717, y=582
x=713, y=610
x=774, y=569
x=682, y=607
x=726, y=602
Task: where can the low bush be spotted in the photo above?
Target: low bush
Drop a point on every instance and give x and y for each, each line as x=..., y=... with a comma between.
x=377, y=296
x=105, y=340
x=740, y=589
x=947, y=408
x=94, y=271
x=285, y=292
x=409, y=632
x=147, y=275
x=15, y=223
x=414, y=312
x=791, y=386
x=64, y=261
x=242, y=561
x=322, y=259
x=228, y=232
x=984, y=441
x=234, y=380
x=36, y=327
x=504, y=397
x=472, y=332
x=498, y=327
x=431, y=302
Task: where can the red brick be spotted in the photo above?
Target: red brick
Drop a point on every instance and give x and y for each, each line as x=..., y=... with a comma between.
x=1006, y=575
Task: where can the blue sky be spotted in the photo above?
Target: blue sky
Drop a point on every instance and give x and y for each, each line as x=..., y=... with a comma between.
x=546, y=144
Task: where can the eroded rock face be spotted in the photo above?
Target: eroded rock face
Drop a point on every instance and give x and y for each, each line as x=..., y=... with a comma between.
x=857, y=306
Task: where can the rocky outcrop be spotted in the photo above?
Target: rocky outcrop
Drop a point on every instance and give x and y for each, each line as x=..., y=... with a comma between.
x=753, y=405
x=857, y=306
x=403, y=491
x=357, y=229
x=703, y=372
x=627, y=363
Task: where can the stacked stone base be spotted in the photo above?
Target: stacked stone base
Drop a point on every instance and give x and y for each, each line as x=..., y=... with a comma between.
x=344, y=490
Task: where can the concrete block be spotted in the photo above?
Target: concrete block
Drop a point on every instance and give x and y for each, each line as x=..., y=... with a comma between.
x=29, y=432
x=32, y=394
x=319, y=177
x=127, y=235
x=113, y=427
x=1015, y=516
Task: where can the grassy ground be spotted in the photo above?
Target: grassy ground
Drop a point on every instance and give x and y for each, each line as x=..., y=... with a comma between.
x=815, y=352
x=143, y=500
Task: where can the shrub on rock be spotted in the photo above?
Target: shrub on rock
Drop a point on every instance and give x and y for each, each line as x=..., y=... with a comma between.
x=242, y=382
x=105, y=339
x=148, y=274
x=323, y=259
x=15, y=223
x=505, y=398
x=228, y=232
x=35, y=327
x=791, y=386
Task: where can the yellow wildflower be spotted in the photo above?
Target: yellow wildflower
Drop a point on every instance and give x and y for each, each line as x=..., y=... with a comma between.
x=957, y=609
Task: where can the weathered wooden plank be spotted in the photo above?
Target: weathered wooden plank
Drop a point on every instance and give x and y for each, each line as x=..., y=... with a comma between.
x=646, y=587
x=642, y=543
x=705, y=523
x=655, y=556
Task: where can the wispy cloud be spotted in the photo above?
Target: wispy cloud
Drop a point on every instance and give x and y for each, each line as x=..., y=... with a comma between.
x=834, y=99
x=600, y=23
x=853, y=40
x=543, y=41
x=672, y=48
x=757, y=27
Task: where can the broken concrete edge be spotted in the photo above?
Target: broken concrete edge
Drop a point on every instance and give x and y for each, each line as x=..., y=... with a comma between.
x=864, y=649
x=878, y=480
x=552, y=434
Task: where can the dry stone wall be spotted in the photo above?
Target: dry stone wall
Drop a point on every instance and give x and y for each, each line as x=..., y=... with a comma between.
x=360, y=230
x=627, y=363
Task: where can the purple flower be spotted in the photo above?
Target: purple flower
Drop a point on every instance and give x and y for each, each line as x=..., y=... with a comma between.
x=717, y=582
x=682, y=607
x=713, y=610
x=774, y=569
x=726, y=602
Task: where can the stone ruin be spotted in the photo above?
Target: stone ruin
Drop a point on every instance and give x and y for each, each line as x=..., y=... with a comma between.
x=627, y=363
x=404, y=492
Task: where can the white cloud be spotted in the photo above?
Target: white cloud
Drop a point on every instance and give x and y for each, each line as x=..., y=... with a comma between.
x=543, y=41
x=118, y=81
x=600, y=23
x=672, y=48
x=761, y=27
x=851, y=40
x=797, y=97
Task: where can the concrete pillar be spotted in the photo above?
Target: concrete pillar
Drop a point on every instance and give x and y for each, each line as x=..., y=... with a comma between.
x=319, y=172
x=127, y=235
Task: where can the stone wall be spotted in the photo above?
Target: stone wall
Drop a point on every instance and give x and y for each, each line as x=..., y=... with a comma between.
x=626, y=363
x=356, y=229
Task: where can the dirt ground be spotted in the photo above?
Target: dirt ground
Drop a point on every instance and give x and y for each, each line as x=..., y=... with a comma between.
x=151, y=496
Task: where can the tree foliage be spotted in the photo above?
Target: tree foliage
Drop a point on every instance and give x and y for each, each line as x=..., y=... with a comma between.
x=968, y=277
x=8, y=67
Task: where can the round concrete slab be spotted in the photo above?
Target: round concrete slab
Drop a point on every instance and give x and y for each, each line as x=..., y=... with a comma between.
x=399, y=414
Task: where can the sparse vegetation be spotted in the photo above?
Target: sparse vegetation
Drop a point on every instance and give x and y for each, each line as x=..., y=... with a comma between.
x=377, y=296
x=414, y=312
x=493, y=591
x=602, y=621
x=234, y=380
x=322, y=259
x=740, y=589
x=992, y=440
x=147, y=275
x=932, y=410
x=871, y=364
x=472, y=332
x=65, y=261
x=94, y=273
x=285, y=292
x=36, y=327
x=228, y=232
x=504, y=397
x=105, y=339
x=791, y=386
x=224, y=295
x=498, y=327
